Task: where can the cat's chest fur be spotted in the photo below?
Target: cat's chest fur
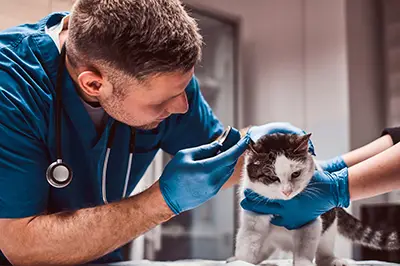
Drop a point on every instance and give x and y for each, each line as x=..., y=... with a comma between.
x=281, y=238
x=277, y=236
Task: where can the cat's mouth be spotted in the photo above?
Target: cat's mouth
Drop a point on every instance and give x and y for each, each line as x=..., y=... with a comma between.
x=287, y=192
x=288, y=196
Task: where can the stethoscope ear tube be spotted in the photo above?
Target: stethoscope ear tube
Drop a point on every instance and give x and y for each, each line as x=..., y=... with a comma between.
x=59, y=174
x=59, y=102
x=128, y=170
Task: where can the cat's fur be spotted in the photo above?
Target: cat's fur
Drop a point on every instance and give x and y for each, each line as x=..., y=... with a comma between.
x=278, y=156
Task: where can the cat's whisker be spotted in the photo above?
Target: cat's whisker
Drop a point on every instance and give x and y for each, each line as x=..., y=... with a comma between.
x=311, y=195
x=316, y=183
x=257, y=196
x=314, y=191
x=309, y=187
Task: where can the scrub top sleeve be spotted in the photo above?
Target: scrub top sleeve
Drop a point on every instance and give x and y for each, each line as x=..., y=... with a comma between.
x=196, y=127
x=23, y=158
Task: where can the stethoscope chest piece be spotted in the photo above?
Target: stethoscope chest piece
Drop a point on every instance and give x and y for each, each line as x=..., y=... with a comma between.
x=59, y=174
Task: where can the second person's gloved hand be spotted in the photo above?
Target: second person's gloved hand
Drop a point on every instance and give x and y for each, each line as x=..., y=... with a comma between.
x=195, y=175
x=325, y=192
x=333, y=165
x=256, y=132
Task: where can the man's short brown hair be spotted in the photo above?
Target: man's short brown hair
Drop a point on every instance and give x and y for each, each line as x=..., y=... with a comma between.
x=138, y=37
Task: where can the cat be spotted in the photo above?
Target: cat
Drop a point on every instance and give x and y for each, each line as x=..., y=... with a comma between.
x=279, y=166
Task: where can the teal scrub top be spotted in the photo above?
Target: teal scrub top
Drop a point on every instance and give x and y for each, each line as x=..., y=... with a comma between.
x=28, y=68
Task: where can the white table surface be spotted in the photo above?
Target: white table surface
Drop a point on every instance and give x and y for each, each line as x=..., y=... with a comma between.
x=236, y=263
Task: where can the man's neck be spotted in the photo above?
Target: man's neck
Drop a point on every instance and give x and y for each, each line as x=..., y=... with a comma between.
x=73, y=71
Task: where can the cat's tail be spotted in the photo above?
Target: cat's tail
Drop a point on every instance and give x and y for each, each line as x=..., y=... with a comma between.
x=358, y=232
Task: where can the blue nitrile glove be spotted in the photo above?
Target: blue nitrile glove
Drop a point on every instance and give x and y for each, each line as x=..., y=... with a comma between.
x=257, y=132
x=325, y=192
x=333, y=165
x=195, y=175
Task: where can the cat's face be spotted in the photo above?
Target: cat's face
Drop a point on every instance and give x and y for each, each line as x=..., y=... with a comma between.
x=279, y=166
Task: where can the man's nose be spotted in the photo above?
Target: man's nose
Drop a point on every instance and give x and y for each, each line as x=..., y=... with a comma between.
x=179, y=105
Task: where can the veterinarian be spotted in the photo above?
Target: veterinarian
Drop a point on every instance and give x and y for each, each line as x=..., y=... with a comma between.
x=365, y=172
x=87, y=99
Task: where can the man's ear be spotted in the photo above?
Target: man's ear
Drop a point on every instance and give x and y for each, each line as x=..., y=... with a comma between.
x=90, y=82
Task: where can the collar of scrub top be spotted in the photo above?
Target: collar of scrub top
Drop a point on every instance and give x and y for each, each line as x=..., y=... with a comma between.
x=109, y=141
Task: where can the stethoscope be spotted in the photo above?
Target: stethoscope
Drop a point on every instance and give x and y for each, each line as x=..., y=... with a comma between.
x=59, y=174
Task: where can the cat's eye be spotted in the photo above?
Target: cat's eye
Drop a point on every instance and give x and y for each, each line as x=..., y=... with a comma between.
x=296, y=174
x=273, y=178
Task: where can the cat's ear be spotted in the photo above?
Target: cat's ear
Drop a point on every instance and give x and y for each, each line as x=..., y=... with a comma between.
x=251, y=146
x=303, y=143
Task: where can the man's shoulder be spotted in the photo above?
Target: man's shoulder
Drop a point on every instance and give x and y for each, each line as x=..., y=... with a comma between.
x=27, y=75
x=25, y=101
x=28, y=60
x=24, y=76
x=29, y=45
x=13, y=37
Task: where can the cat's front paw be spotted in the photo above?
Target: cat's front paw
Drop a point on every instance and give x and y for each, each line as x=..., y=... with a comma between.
x=248, y=247
x=246, y=255
x=332, y=261
x=231, y=259
x=339, y=262
x=302, y=262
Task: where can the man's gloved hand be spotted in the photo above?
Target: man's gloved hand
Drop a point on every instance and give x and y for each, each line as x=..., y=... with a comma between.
x=333, y=165
x=325, y=192
x=195, y=175
x=257, y=132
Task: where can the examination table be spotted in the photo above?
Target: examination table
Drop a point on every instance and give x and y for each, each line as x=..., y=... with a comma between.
x=236, y=263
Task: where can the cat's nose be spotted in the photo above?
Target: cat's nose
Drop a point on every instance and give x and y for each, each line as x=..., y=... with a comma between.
x=287, y=192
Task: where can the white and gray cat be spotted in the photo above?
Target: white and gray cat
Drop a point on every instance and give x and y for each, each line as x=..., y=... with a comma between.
x=279, y=166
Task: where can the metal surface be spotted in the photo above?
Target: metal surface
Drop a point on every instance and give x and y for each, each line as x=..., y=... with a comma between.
x=224, y=135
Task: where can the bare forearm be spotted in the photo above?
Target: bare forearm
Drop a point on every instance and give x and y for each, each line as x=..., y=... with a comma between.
x=237, y=173
x=376, y=175
x=235, y=178
x=83, y=235
x=367, y=151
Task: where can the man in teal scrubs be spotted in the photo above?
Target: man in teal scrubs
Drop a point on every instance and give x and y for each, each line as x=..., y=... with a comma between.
x=127, y=62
